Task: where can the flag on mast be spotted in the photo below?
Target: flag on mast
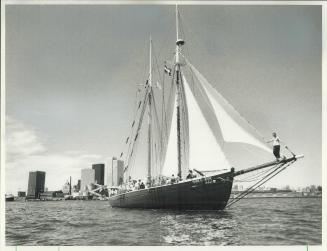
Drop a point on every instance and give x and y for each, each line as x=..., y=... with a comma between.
x=167, y=70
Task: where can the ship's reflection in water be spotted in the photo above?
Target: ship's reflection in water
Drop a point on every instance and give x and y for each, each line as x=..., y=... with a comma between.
x=199, y=228
x=249, y=222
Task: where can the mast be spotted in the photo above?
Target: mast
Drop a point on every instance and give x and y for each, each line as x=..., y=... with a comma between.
x=179, y=43
x=150, y=115
x=70, y=185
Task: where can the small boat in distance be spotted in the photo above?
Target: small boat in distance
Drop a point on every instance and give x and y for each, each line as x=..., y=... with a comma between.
x=194, y=112
x=10, y=197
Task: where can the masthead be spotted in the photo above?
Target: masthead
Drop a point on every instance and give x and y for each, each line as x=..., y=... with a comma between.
x=179, y=41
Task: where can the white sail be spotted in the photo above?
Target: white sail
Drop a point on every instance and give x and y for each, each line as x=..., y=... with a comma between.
x=170, y=165
x=205, y=152
x=231, y=130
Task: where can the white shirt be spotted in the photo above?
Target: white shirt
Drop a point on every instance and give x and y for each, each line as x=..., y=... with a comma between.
x=276, y=141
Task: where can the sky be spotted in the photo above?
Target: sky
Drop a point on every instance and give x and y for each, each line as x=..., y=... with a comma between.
x=72, y=73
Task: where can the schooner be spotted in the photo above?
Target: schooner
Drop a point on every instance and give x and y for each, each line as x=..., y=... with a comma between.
x=195, y=111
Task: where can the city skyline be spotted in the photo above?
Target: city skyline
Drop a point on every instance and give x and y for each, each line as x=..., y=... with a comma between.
x=74, y=183
x=71, y=83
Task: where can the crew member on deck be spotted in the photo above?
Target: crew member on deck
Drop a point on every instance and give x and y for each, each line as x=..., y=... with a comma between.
x=172, y=179
x=276, y=145
x=190, y=175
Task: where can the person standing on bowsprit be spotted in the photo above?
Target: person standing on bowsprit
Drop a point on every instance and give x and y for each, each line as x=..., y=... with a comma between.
x=276, y=145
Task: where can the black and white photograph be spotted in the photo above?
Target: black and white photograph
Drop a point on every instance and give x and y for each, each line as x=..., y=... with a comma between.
x=162, y=124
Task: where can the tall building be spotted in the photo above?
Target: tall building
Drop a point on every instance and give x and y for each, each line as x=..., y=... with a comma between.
x=98, y=173
x=117, y=172
x=78, y=186
x=87, y=178
x=114, y=172
x=108, y=171
x=36, y=182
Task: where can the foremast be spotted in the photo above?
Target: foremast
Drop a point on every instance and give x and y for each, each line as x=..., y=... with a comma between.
x=150, y=117
x=179, y=43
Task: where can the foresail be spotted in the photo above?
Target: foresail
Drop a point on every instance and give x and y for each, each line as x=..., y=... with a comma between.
x=204, y=150
x=231, y=130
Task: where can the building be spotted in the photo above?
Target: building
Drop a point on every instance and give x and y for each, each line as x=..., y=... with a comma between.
x=87, y=178
x=77, y=187
x=108, y=171
x=117, y=172
x=113, y=172
x=36, y=182
x=66, y=188
x=98, y=173
x=21, y=194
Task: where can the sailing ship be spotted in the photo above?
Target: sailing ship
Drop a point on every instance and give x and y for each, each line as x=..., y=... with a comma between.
x=195, y=112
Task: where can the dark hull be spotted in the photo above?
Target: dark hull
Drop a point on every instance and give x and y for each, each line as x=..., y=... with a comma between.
x=210, y=193
x=10, y=198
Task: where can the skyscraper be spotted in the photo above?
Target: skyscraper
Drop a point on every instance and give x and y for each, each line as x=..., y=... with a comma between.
x=108, y=171
x=87, y=177
x=36, y=182
x=117, y=172
x=78, y=186
x=114, y=171
x=98, y=173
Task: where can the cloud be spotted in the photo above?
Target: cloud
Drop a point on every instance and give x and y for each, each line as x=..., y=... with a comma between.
x=21, y=141
x=26, y=151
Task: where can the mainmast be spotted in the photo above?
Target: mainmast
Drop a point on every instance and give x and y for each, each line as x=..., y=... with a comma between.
x=150, y=115
x=179, y=43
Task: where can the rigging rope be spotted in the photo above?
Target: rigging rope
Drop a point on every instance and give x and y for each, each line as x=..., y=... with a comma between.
x=280, y=167
x=255, y=176
x=135, y=141
x=159, y=130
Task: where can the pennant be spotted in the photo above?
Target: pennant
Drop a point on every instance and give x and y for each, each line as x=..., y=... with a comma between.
x=167, y=70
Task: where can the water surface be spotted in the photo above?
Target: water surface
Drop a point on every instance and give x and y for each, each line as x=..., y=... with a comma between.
x=272, y=221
